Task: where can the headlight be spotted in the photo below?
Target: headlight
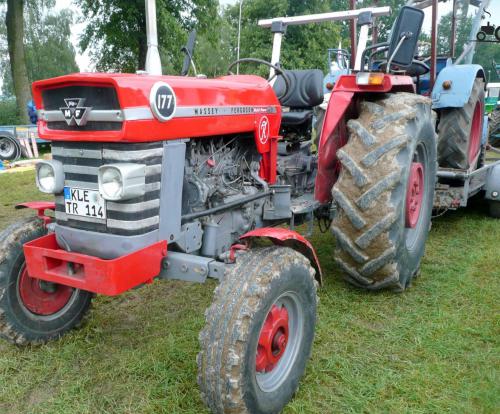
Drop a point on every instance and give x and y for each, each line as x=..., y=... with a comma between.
x=50, y=176
x=122, y=181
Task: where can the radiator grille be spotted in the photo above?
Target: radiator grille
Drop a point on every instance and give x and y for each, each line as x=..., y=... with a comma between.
x=81, y=162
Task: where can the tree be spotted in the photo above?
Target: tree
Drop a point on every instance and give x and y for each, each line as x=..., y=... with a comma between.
x=15, y=37
x=116, y=31
x=48, y=49
x=303, y=47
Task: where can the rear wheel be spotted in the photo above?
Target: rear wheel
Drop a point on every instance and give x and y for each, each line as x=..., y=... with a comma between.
x=494, y=128
x=385, y=192
x=9, y=149
x=31, y=310
x=460, y=131
x=258, y=333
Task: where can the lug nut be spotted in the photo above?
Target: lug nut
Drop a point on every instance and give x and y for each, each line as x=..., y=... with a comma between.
x=494, y=194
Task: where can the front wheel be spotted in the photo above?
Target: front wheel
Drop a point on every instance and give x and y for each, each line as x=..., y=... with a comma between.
x=258, y=333
x=385, y=192
x=33, y=311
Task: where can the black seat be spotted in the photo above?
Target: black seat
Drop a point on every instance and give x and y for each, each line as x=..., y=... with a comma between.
x=305, y=92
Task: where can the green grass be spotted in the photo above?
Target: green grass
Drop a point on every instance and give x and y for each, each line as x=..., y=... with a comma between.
x=433, y=349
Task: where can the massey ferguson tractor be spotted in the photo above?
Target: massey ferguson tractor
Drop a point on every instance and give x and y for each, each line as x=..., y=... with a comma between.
x=178, y=177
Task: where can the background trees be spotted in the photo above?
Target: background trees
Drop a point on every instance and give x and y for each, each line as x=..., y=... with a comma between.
x=35, y=38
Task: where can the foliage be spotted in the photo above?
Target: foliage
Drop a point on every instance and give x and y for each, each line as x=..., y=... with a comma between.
x=48, y=48
x=8, y=112
x=116, y=37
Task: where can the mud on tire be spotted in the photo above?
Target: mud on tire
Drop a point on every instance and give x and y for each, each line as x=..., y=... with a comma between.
x=374, y=248
x=455, y=131
x=227, y=363
x=19, y=324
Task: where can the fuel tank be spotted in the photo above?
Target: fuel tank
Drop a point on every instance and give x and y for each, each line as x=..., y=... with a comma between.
x=142, y=108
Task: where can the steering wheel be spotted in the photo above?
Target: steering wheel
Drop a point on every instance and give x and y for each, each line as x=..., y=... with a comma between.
x=417, y=68
x=277, y=71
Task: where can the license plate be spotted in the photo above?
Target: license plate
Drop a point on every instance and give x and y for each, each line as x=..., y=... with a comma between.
x=82, y=202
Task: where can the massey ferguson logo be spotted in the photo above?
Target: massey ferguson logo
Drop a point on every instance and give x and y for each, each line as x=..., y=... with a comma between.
x=74, y=112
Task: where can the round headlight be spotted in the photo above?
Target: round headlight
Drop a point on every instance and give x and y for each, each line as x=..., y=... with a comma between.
x=46, y=178
x=111, y=183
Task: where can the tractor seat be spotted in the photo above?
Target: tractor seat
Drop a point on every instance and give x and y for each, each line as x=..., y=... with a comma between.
x=305, y=92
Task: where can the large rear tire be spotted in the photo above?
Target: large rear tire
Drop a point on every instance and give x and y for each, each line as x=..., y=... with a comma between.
x=494, y=128
x=258, y=333
x=460, y=131
x=32, y=311
x=385, y=191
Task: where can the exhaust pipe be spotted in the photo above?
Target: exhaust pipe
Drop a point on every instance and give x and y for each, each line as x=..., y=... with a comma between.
x=153, y=62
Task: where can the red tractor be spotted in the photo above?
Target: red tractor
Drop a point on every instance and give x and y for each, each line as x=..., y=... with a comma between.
x=175, y=177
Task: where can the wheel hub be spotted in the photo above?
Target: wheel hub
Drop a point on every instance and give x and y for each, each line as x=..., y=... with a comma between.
x=40, y=297
x=414, y=194
x=272, y=340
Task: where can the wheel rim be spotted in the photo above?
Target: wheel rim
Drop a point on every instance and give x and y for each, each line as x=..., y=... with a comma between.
x=475, y=133
x=40, y=300
x=414, y=194
x=414, y=219
x=7, y=148
x=279, y=342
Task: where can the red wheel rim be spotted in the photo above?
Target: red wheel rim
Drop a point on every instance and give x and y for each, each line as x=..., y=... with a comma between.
x=414, y=194
x=475, y=133
x=42, y=301
x=272, y=340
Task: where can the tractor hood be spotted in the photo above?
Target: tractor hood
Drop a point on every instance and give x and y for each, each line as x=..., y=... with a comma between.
x=143, y=108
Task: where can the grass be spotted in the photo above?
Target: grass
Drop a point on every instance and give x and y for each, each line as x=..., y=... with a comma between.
x=433, y=349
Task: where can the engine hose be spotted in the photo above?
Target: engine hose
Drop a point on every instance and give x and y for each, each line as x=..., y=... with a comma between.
x=222, y=207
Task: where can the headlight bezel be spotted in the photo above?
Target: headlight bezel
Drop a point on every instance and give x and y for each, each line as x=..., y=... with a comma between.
x=132, y=178
x=58, y=174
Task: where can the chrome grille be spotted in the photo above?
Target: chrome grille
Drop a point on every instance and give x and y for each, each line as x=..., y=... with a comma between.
x=81, y=162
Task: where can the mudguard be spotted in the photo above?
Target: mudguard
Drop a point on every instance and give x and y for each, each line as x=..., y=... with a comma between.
x=492, y=186
x=462, y=80
x=288, y=238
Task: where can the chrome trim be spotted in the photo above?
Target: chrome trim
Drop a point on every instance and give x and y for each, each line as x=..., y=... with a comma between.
x=133, y=208
x=81, y=169
x=137, y=113
x=60, y=215
x=132, y=156
x=133, y=225
x=96, y=115
x=76, y=153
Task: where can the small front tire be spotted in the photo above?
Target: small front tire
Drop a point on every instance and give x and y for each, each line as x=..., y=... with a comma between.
x=258, y=333
x=32, y=311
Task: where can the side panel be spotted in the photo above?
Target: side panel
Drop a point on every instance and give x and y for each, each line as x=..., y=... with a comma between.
x=462, y=80
x=172, y=179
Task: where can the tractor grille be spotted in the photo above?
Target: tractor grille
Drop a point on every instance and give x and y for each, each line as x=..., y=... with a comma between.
x=81, y=162
x=98, y=98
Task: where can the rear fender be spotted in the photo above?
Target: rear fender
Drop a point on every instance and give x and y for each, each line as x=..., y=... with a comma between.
x=462, y=79
x=341, y=108
x=287, y=238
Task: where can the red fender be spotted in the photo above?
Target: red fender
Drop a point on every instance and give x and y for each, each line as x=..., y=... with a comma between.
x=40, y=207
x=334, y=132
x=288, y=238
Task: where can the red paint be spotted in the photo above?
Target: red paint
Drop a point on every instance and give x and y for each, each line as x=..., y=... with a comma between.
x=45, y=260
x=475, y=132
x=334, y=132
x=390, y=83
x=273, y=339
x=42, y=300
x=40, y=207
x=233, y=249
x=288, y=238
x=133, y=91
x=414, y=194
